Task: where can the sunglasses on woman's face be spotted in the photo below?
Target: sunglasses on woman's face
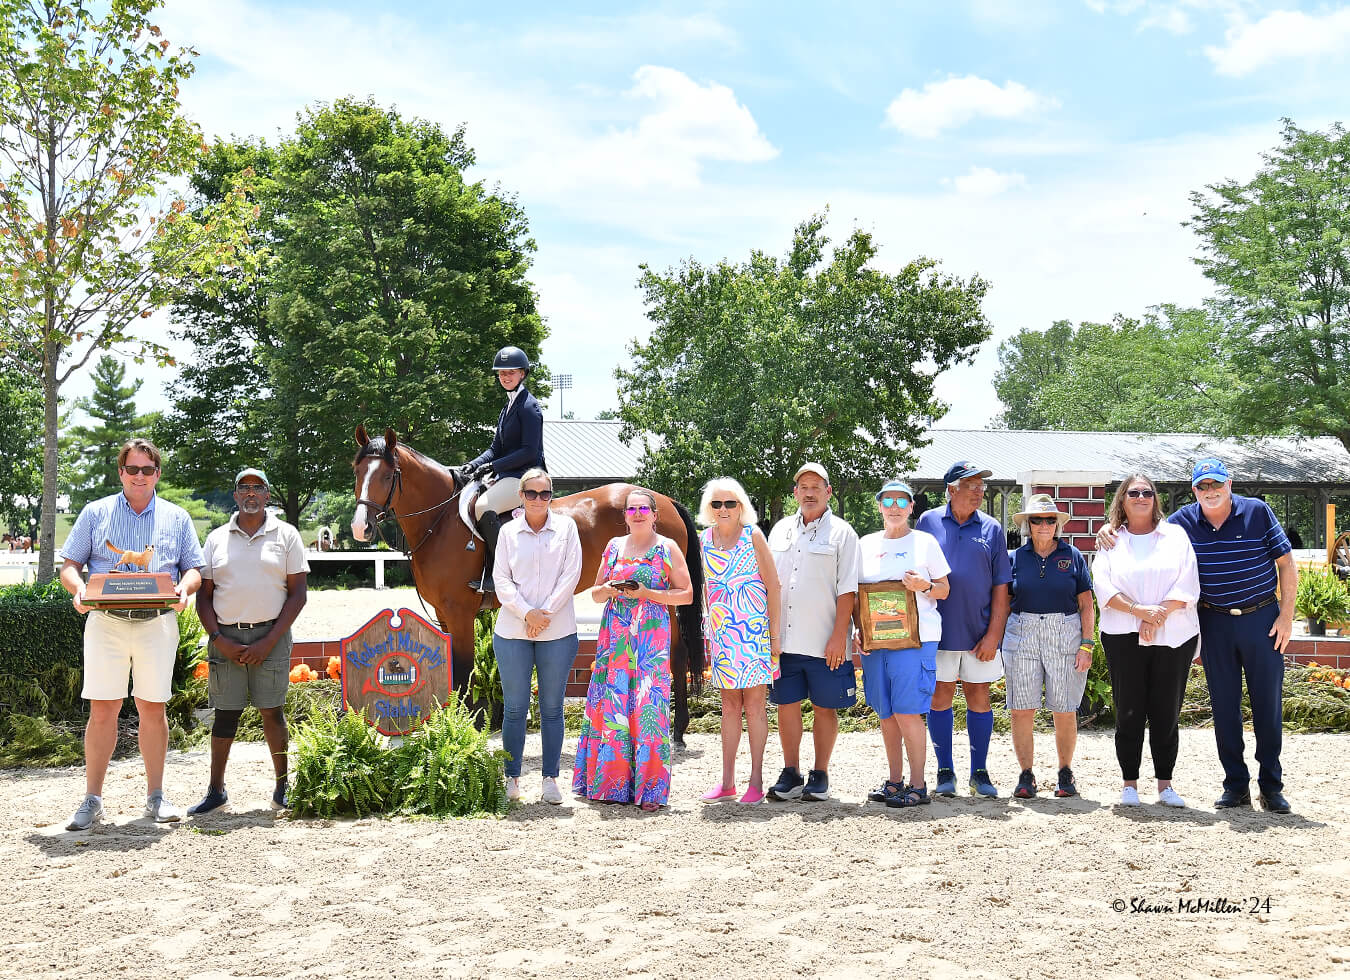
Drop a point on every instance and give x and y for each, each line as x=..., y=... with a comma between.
x=139, y=470
x=894, y=502
x=537, y=494
x=728, y=504
x=640, y=509
x=1043, y=520
x=1136, y=494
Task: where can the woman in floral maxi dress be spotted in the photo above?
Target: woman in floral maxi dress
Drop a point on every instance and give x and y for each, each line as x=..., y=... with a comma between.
x=623, y=755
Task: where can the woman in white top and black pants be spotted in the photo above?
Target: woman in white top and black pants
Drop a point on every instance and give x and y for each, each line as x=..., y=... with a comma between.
x=1147, y=586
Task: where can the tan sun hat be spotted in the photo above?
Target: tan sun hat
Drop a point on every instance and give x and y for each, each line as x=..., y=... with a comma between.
x=1041, y=505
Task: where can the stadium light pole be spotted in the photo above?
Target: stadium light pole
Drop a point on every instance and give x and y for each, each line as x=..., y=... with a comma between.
x=562, y=382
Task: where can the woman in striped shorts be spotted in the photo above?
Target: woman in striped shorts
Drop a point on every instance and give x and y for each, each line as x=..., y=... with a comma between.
x=1047, y=646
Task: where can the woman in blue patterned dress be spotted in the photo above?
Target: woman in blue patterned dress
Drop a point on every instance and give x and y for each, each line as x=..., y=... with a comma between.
x=623, y=755
x=741, y=628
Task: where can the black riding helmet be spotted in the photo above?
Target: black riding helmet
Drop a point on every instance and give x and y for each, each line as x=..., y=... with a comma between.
x=511, y=359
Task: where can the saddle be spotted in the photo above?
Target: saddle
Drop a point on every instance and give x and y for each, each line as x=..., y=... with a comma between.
x=468, y=497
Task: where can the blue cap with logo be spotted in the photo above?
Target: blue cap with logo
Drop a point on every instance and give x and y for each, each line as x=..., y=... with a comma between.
x=1210, y=468
x=894, y=487
x=962, y=469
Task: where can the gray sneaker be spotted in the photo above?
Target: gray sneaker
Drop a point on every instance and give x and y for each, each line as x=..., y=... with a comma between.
x=87, y=813
x=158, y=806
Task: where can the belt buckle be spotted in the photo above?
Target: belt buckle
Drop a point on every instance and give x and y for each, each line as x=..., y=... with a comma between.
x=1235, y=611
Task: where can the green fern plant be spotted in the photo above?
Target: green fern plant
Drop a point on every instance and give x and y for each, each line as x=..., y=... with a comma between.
x=485, y=681
x=446, y=768
x=341, y=766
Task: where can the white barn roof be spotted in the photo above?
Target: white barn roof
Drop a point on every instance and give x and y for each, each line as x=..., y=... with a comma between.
x=592, y=451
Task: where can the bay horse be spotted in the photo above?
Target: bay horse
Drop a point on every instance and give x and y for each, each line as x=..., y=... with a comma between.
x=18, y=542
x=394, y=479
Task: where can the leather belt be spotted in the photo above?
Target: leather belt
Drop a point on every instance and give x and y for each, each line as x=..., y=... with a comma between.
x=248, y=626
x=1238, y=610
x=136, y=615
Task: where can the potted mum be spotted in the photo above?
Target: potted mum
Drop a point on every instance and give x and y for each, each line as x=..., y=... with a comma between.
x=1322, y=598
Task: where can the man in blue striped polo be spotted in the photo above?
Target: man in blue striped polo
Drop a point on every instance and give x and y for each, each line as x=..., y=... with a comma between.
x=1242, y=551
x=140, y=645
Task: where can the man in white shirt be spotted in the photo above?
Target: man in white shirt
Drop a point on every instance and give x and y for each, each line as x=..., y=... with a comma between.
x=816, y=554
x=254, y=584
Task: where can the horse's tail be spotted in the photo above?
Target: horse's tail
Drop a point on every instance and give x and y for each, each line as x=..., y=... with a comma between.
x=690, y=617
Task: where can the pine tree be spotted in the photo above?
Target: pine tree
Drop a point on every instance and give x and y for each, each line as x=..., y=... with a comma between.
x=92, y=449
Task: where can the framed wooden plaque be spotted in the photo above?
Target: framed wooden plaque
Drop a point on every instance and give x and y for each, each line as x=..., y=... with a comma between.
x=130, y=590
x=890, y=616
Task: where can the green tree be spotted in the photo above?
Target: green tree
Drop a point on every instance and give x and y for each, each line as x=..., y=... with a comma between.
x=90, y=137
x=21, y=461
x=1167, y=372
x=753, y=368
x=393, y=281
x=1278, y=248
x=91, y=450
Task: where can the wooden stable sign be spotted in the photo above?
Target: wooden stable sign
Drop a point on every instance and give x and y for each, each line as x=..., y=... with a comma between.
x=398, y=674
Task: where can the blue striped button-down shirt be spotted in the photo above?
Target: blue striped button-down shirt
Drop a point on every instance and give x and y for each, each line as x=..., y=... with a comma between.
x=163, y=524
x=1237, y=559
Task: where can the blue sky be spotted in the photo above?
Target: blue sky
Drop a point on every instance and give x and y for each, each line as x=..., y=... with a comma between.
x=1048, y=147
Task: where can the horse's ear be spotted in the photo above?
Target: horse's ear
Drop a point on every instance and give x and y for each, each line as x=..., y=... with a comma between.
x=361, y=437
x=390, y=439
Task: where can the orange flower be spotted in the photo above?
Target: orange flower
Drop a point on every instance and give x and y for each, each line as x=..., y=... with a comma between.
x=201, y=670
x=334, y=668
x=301, y=673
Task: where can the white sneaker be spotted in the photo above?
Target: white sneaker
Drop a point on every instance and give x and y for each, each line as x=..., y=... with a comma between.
x=1170, y=797
x=1129, y=796
x=87, y=813
x=158, y=806
x=551, y=793
x=512, y=788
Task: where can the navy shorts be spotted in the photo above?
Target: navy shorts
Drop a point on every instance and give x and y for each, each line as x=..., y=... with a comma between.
x=900, y=682
x=807, y=677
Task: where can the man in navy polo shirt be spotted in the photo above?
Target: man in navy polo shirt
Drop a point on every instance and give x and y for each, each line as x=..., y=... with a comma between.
x=1240, y=550
x=973, y=617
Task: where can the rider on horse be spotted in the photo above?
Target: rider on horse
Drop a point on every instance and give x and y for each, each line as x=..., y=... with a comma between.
x=517, y=446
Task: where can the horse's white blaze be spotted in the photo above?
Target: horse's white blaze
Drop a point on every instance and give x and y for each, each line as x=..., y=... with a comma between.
x=359, y=518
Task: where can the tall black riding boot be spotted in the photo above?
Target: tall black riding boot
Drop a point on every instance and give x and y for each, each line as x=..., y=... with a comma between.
x=489, y=526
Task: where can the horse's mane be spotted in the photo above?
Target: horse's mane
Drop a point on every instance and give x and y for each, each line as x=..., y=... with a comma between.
x=378, y=447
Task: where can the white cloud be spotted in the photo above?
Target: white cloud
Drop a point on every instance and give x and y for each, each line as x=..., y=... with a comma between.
x=955, y=101
x=681, y=125
x=1279, y=35
x=984, y=182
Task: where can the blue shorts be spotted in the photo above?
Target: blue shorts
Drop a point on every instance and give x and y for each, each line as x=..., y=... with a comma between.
x=807, y=677
x=900, y=682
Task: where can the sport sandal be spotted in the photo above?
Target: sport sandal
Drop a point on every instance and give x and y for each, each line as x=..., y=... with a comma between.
x=912, y=796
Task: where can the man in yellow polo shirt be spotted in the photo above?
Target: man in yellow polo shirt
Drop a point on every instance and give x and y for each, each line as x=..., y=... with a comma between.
x=253, y=587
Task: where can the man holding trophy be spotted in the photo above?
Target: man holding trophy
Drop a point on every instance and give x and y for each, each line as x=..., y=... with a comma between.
x=143, y=559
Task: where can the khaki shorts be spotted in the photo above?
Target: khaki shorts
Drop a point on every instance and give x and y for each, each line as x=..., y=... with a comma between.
x=233, y=687
x=116, y=650
x=963, y=665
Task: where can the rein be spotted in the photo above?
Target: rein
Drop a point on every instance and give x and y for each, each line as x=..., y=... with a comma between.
x=387, y=510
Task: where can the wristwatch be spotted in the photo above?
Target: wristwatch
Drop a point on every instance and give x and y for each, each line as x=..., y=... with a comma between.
x=214, y=635
x=929, y=589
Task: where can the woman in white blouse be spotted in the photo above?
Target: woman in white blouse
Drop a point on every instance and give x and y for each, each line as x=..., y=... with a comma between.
x=1147, y=587
x=538, y=565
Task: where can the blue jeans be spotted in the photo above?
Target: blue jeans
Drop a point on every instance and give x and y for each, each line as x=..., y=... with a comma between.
x=517, y=660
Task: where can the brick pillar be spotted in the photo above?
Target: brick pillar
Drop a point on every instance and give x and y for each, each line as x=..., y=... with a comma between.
x=1080, y=493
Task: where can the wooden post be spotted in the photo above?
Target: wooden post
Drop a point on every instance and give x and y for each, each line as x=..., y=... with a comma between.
x=1331, y=531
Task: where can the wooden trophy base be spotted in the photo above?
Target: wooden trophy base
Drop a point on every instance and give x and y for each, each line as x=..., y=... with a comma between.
x=130, y=590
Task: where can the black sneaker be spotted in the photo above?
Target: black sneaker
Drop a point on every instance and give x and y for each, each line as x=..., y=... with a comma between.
x=789, y=785
x=279, y=801
x=213, y=800
x=1026, y=785
x=885, y=791
x=817, y=788
x=1067, y=787
x=1233, y=798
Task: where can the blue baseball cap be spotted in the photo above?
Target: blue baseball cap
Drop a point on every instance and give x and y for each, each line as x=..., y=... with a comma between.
x=1210, y=468
x=962, y=469
x=896, y=486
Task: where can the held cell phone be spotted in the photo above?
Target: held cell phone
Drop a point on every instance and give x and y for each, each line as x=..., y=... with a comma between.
x=626, y=585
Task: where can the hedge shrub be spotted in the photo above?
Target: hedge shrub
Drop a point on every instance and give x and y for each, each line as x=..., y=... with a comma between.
x=39, y=628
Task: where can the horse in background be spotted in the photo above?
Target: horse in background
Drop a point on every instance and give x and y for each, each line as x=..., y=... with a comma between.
x=424, y=495
x=18, y=542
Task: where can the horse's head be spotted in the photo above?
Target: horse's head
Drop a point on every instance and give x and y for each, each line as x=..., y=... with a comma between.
x=377, y=478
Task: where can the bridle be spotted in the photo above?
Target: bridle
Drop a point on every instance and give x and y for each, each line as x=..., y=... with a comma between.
x=386, y=510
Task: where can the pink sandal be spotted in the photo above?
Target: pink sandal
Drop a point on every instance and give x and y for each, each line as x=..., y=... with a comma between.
x=719, y=792
x=752, y=796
